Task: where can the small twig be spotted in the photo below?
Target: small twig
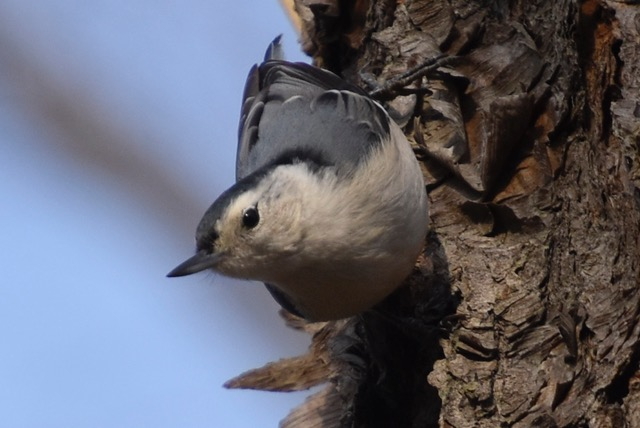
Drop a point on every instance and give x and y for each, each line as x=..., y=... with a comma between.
x=392, y=86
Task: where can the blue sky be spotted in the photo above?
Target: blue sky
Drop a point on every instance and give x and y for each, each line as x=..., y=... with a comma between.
x=118, y=124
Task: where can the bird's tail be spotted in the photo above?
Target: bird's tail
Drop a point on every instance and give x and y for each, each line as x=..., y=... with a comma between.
x=274, y=50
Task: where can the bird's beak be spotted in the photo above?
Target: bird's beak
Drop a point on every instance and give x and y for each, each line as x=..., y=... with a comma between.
x=201, y=261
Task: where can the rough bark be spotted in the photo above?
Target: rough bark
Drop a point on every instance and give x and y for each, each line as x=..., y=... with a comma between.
x=524, y=309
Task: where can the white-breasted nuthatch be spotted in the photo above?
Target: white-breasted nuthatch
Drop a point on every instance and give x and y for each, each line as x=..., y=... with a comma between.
x=329, y=209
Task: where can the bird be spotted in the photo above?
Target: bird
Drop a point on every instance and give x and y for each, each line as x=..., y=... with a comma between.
x=329, y=208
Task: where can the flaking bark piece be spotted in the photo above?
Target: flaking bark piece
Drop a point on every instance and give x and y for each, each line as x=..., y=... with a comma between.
x=297, y=373
x=321, y=410
x=469, y=135
x=285, y=375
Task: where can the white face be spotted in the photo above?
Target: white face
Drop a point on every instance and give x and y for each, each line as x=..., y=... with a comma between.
x=259, y=230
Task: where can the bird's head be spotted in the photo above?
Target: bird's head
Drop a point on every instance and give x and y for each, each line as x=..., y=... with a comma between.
x=256, y=227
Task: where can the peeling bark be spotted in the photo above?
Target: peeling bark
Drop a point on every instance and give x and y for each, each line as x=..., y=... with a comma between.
x=523, y=310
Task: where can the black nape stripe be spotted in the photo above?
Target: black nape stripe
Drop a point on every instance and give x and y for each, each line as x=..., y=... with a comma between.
x=313, y=158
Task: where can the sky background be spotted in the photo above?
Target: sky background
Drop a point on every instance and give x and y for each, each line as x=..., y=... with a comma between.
x=118, y=124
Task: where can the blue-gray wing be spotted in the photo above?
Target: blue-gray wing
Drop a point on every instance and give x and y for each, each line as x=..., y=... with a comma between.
x=295, y=110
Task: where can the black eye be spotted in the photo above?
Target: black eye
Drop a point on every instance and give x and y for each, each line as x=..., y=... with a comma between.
x=250, y=217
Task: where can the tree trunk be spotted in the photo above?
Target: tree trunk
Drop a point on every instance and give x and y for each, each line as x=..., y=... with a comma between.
x=524, y=309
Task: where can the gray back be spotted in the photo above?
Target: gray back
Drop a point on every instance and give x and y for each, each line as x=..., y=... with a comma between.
x=297, y=111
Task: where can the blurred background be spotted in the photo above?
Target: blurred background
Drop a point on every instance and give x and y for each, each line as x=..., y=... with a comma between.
x=118, y=124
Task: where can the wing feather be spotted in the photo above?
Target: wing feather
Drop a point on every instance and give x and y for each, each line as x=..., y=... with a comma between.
x=297, y=108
